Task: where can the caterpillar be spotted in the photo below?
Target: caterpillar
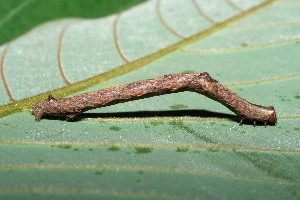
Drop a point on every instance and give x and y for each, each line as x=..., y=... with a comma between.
x=201, y=83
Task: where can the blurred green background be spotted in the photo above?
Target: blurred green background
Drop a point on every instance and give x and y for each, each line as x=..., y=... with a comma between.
x=19, y=16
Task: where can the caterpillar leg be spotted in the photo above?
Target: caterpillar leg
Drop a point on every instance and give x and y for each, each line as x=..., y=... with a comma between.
x=241, y=121
x=71, y=117
x=254, y=123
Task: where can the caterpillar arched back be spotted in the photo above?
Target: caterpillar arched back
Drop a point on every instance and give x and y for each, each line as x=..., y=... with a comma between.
x=198, y=82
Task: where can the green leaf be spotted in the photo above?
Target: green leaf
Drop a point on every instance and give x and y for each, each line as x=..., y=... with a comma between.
x=19, y=16
x=174, y=146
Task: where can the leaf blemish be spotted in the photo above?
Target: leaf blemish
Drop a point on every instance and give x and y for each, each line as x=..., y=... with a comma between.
x=196, y=151
x=99, y=172
x=178, y=106
x=115, y=128
x=182, y=149
x=188, y=71
x=113, y=148
x=64, y=146
x=155, y=123
x=140, y=150
x=213, y=149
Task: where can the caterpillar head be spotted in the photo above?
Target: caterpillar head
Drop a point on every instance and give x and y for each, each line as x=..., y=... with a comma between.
x=47, y=106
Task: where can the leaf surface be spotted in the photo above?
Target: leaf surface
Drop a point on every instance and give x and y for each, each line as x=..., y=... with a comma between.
x=174, y=146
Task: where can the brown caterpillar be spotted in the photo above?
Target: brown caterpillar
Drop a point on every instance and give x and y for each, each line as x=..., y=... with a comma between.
x=201, y=83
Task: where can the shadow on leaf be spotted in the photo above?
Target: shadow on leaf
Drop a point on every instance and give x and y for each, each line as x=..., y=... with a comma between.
x=160, y=114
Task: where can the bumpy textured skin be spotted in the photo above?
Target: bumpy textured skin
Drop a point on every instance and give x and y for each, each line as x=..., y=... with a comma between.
x=198, y=82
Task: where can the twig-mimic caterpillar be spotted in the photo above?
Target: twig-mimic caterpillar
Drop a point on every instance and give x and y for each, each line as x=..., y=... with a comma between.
x=197, y=82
